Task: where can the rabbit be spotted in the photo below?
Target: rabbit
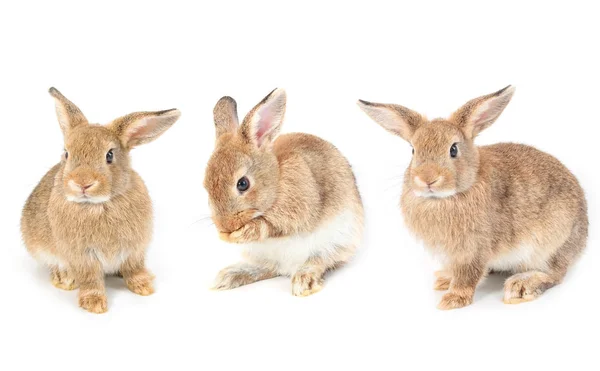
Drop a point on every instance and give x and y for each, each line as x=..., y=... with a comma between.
x=91, y=214
x=292, y=200
x=498, y=208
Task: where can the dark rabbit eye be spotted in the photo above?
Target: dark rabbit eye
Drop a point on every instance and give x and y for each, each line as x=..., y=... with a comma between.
x=413, y=151
x=453, y=150
x=243, y=184
x=66, y=155
x=110, y=156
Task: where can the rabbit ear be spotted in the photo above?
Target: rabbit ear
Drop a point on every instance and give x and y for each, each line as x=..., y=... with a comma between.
x=143, y=127
x=394, y=118
x=262, y=124
x=226, y=118
x=479, y=113
x=69, y=116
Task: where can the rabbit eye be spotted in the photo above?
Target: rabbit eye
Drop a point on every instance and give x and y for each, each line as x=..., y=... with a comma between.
x=413, y=151
x=66, y=154
x=110, y=157
x=453, y=150
x=243, y=184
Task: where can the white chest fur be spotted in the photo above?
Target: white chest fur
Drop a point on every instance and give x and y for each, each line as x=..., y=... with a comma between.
x=287, y=254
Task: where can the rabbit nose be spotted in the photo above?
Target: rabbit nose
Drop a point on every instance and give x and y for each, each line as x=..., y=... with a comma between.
x=426, y=183
x=76, y=186
x=433, y=182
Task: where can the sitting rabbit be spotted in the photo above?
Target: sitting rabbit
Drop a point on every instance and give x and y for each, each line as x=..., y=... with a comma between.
x=504, y=207
x=91, y=214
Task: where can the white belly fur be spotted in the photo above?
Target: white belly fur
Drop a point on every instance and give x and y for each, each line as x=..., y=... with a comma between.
x=109, y=264
x=49, y=260
x=523, y=258
x=289, y=253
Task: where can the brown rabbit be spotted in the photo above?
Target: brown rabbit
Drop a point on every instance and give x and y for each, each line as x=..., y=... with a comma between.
x=91, y=214
x=292, y=200
x=504, y=207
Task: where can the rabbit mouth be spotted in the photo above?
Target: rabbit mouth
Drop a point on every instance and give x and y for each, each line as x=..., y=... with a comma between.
x=430, y=193
x=84, y=198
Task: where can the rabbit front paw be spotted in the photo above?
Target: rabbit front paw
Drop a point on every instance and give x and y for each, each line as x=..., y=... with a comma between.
x=252, y=232
x=93, y=302
x=453, y=300
x=140, y=283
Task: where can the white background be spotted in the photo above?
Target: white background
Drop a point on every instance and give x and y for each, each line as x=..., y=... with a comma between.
x=379, y=312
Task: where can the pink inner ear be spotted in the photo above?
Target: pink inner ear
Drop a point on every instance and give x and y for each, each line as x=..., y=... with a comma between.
x=139, y=131
x=264, y=124
x=262, y=129
x=482, y=117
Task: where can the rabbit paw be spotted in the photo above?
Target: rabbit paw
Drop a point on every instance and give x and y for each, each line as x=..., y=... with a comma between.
x=94, y=303
x=452, y=300
x=241, y=274
x=232, y=277
x=442, y=282
x=251, y=232
x=526, y=286
x=62, y=279
x=306, y=283
x=141, y=283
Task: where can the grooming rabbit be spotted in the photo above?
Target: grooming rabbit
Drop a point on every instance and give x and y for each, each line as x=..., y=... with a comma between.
x=291, y=200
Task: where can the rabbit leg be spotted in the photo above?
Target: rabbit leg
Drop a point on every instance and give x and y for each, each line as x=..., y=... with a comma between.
x=137, y=278
x=443, y=280
x=62, y=278
x=241, y=274
x=92, y=293
x=528, y=286
x=465, y=277
x=308, y=279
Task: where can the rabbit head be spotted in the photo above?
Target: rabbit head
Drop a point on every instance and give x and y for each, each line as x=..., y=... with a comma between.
x=242, y=174
x=445, y=159
x=96, y=157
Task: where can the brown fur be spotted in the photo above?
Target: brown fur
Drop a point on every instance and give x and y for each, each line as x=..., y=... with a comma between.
x=506, y=207
x=298, y=183
x=81, y=240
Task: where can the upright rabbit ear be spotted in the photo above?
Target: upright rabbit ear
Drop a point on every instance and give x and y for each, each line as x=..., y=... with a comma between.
x=394, y=118
x=225, y=114
x=69, y=116
x=262, y=124
x=479, y=113
x=143, y=127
